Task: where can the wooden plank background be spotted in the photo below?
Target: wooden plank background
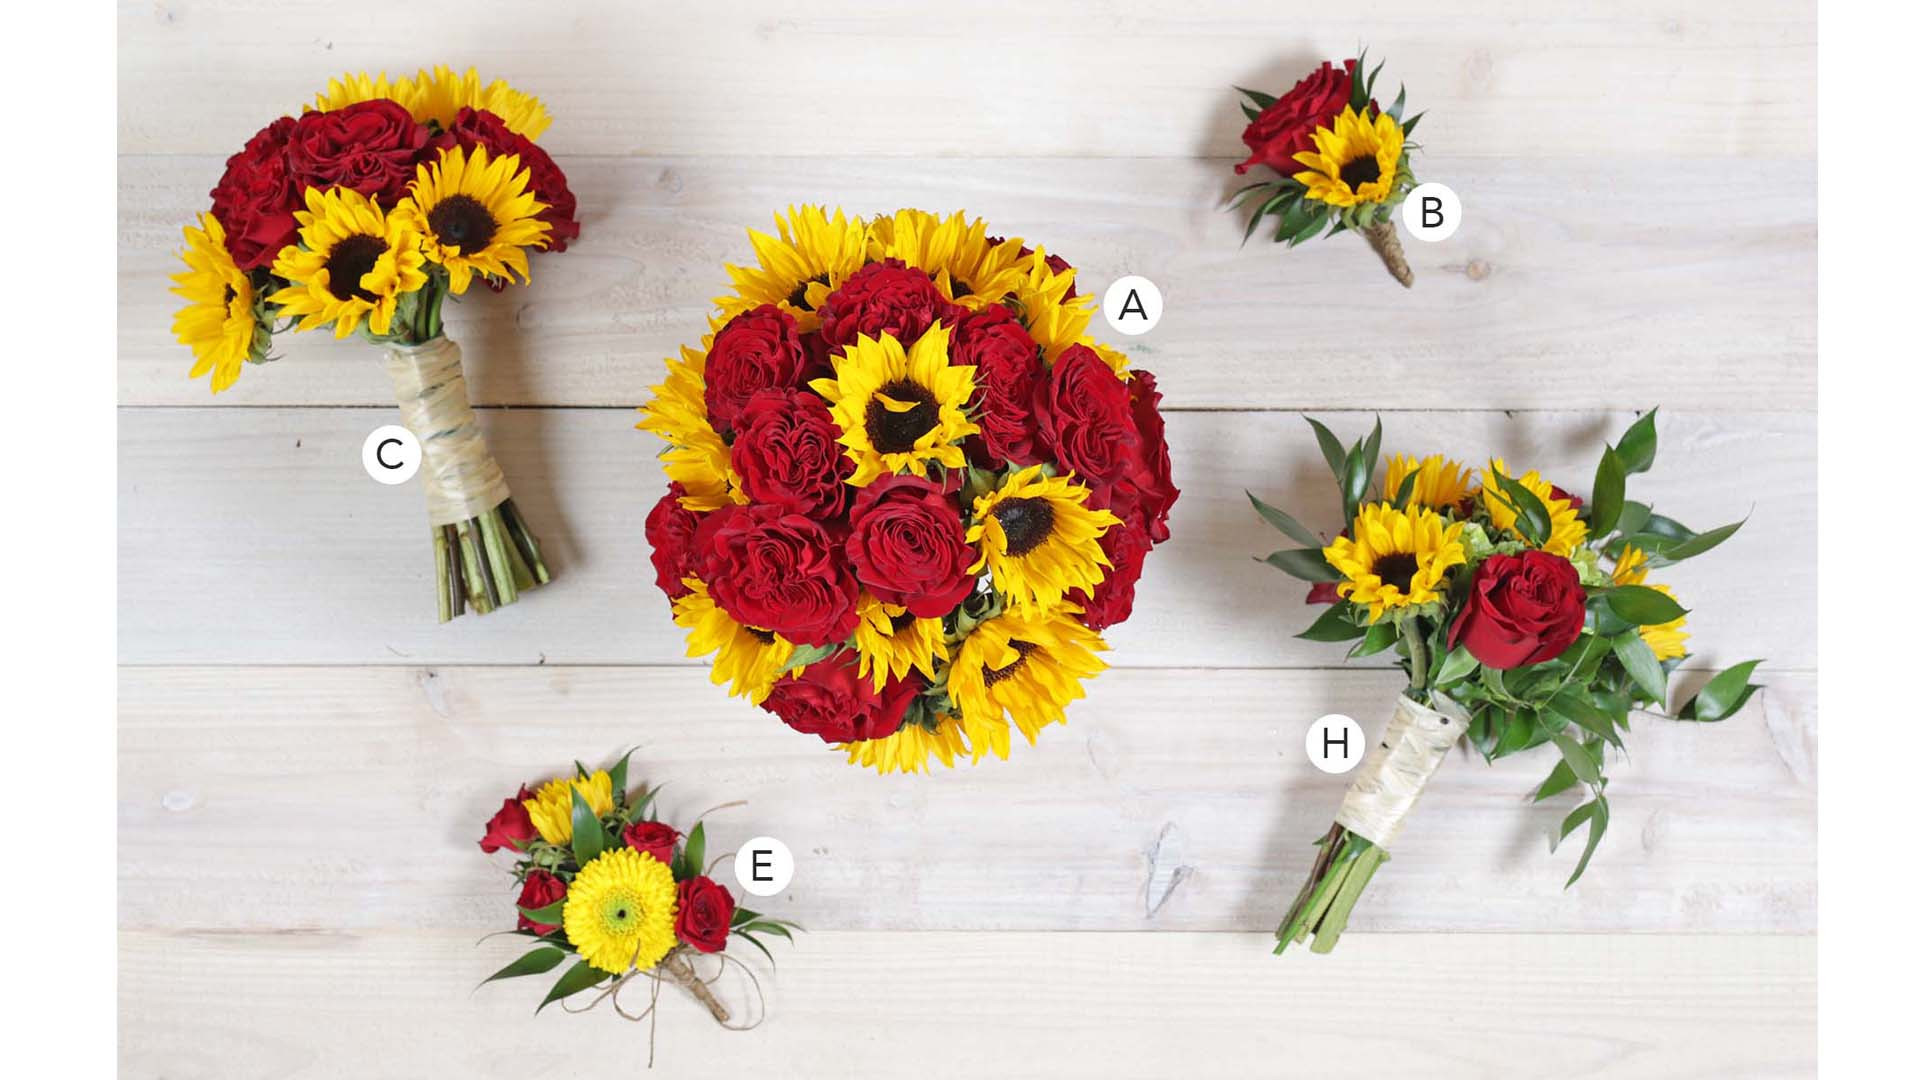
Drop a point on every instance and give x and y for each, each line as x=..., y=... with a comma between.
x=305, y=758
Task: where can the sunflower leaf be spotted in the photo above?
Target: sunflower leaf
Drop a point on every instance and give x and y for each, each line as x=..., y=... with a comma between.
x=1307, y=564
x=578, y=977
x=537, y=962
x=1638, y=445
x=589, y=836
x=1330, y=448
x=1723, y=695
x=1642, y=606
x=1284, y=521
x=1609, y=494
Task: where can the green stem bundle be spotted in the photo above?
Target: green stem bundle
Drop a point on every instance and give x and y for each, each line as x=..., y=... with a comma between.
x=1345, y=865
x=487, y=561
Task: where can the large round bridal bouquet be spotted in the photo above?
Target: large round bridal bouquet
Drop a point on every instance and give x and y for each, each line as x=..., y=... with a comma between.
x=906, y=489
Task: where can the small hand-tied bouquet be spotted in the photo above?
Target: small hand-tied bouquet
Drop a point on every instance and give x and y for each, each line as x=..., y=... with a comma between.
x=907, y=490
x=1342, y=160
x=1522, y=615
x=623, y=894
x=363, y=214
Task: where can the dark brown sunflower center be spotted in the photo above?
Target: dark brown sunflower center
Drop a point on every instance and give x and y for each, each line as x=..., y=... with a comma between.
x=902, y=621
x=798, y=297
x=1361, y=170
x=764, y=637
x=995, y=675
x=1397, y=570
x=348, y=262
x=895, y=432
x=462, y=221
x=1027, y=522
x=960, y=288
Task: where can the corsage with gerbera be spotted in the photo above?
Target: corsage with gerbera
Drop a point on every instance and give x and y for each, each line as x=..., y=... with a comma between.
x=1343, y=161
x=623, y=894
x=906, y=489
x=363, y=215
x=1523, y=616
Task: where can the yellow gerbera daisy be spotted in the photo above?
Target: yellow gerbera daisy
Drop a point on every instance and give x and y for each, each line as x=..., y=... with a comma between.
x=355, y=88
x=910, y=749
x=440, y=94
x=1030, y=667
x=1441, y=483
x=1355, y=162
x=1039, y=538
x=1054, y=320
x=551, y=807
x=475, y=214
x=696, y=455
x=899, y=410
x=1568, y=532
x=955, y=253
x=1396, y=558
x=891, y=642
x=1667, y=639
x=620, y=911
x=801, y=267
x=748, y=659
x=353, y=261
x=218, y=323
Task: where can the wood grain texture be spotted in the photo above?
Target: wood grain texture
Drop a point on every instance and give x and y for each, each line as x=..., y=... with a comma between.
x=354, y=797
x=1572, y=283
x=1019, y=1005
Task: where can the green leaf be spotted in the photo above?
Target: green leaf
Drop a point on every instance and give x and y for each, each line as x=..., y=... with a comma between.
x=1407, y=128
x=546, y=916
x=1285, y=522
x=1531, y=519
x=578, y=977
x=1637, y=657
x=1723, y=695
x=1332, y=625
x=1330, y=447
x=1355, y=480
x=742, y=916
x=1399, y=103
x=1700, y=544
x=1595, y=819
x=1633, y=516
x=618, y=774
x=589, y=838
x=807, y=654
x=1578, y=758
x=1307, y=564
x=693, y=853
x=1639, y=443
x=755, y=942
x=1609, y=494
x=1572, y=703
x=1641, y=606
x=538, y=962
x=1517, y=734
x=1379, y=638
x=1457, y=665
x=1249, y=111
x=1557, y=781
x=1372, y=448
x=1258, y=97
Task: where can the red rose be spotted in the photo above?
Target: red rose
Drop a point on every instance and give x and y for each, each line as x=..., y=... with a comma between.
x=1323, y=592
x=1285, y=128
x=772, y=569
x=655, y=838
x=1086, y=413
x=1573, y=500
x=909, y=547
x=510, y=826
x=478, y=127
x=1521, y=609
x=787, y=451
x=755, y=351
x=886, y=297
x=834, y=701
x=1155, y=490
x=670, y=530
x=1008, y=371
x=704, y=915
x=540, y=890
x=369, y=146
x=1112, y=600
x=256, y=197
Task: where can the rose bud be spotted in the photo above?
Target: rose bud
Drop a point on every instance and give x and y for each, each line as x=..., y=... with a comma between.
x=540, y=890
x=704, y=915
x=510, y=827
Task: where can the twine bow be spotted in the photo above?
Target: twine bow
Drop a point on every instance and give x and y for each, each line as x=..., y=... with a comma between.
x=679, y=970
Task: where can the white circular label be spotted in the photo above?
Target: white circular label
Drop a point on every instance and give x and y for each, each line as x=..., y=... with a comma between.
x=1132, y=305
x=763, y=866
x=1431, y=212
x=391, y=454
x=1335, y=743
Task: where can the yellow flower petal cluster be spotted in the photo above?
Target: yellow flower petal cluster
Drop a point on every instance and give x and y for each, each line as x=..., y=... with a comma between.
x=438, y=95
x=1355, y=162
x=1667, y=640
x=551, y=807
x=218, y=323
x=1395, y=558
x=1439, y=482
x=900, y=410
x=354, y=261
x=620, y=910
x=746, y=660
x=1568, y=530
x=1039, y=539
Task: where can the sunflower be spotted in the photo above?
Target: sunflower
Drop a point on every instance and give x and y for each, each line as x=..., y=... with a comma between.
x=1396, y=558
x=1354, y=163
x=972, y=271
x=891, y=642
x=353, y=261
x=476, y=214
x=440, y=94
x=353, y=89
x=1054, y=320
x=696, y=456
x=551, y=807
x=1568, y=531
x=218, y=322
x=900, y=409
x=1039, y=538
x=801, y=267
x=620, y=911
x=1029, y=666
x=750, y=659
x=1667, y=640
x=1441, y=483
x=910, y=749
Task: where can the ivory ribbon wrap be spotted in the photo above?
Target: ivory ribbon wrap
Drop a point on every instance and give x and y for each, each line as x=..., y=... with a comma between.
x=461, y=477
x=1390, y=778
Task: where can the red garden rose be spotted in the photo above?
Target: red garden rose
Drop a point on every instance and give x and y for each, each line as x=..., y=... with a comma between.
x=909, y=547
x=1112, y=600
x=670, y=531
x=834, y=701
x=256, y=197
x=369, y=146
x=541, y=889
x=1155, y=492
x=1008, y=371
x=704, y=915
x=772, y=569
x=787, y=451
x=885, y=297
x=1323, y=592
x=1521, y=609
x=510, y=826
x=1285, y=128
x=478, y=127
x=655, y=838
x=756, y=350
x=1086, y=415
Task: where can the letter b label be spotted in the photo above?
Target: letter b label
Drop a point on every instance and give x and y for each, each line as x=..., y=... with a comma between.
x=1431, y=212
